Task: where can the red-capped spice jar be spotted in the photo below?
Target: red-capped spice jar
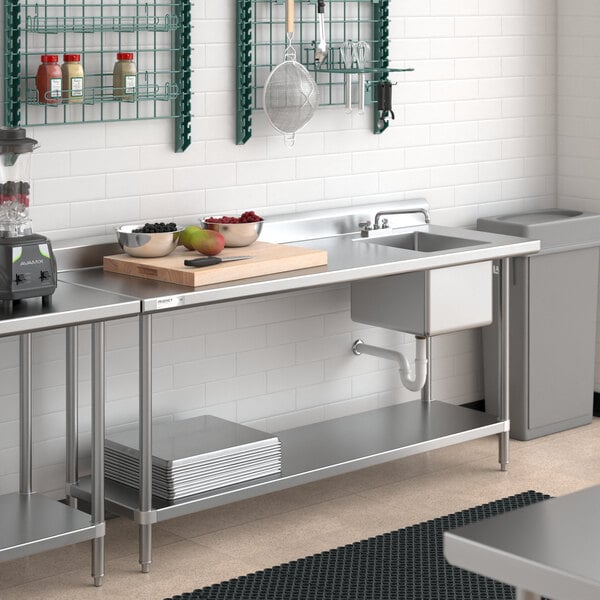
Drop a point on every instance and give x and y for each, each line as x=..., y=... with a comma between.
x=49, y=80
x=72, y=78
x=125, y=77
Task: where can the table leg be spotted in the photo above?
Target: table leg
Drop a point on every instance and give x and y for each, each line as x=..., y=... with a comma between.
x=525, y=595
x=26, y=441
x=98, y=398
x=145, y=441
x=504, y=359
x=72, y=450
x=426, y=390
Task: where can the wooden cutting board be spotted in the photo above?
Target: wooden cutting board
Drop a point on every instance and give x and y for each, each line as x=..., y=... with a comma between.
x=267, y=259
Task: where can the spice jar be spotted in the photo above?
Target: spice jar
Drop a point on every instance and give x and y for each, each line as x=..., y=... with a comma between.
x=72, y=78
x=125, y=77
x=49, y=80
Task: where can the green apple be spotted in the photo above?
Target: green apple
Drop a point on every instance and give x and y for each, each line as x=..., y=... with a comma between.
x=185, y=237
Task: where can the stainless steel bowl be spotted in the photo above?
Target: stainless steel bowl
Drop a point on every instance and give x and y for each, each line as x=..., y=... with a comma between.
x=236, y=235
x=147, y=245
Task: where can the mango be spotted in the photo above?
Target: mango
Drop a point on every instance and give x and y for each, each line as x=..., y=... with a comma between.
x=207, y=241
x=185, y=237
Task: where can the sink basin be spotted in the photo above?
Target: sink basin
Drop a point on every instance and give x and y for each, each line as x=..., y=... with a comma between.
x=426, y=302
x=422, y=241
x=429, y=302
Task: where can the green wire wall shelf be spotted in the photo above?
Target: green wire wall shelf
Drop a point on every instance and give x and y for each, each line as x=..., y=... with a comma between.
x=157, y=32
x=261, y=43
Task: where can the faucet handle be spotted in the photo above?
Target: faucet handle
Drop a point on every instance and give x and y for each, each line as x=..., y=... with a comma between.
x=365, y=227
x=385, y=224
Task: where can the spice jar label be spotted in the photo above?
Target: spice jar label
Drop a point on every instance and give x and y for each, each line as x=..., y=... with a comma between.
x=55, y=87
x=77, y=86
x=130, y=84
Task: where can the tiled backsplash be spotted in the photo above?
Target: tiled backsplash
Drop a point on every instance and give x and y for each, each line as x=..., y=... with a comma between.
x=474, y=134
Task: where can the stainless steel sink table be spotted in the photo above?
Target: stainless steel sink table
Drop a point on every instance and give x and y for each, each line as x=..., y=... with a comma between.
x=549, y=549
x=320, y=450
x=30, y=522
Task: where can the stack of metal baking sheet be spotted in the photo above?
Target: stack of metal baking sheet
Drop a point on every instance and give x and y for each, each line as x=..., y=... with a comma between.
x=194, y=456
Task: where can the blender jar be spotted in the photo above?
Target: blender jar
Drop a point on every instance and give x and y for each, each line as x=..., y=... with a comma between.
x=15, y=181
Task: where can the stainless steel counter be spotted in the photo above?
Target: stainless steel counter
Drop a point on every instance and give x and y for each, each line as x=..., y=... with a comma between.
x=30, y=522
x=35, y=523
x=418, y=426
x=350, y=258
x=88, y=295
x=70, y=305
x=549, y=549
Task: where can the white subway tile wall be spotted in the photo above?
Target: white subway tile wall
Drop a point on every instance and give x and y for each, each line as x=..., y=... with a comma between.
x=578, y=80
x=474, y=134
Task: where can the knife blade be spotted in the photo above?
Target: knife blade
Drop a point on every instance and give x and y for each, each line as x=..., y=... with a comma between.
x=207, y=261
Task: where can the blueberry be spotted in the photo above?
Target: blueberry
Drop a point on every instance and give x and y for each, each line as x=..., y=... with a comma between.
x=156, y=228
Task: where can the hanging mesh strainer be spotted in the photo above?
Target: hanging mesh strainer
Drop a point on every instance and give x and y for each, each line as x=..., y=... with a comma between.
x=290, y=95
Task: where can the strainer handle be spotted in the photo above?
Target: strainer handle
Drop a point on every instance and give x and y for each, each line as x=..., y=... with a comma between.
x=289, y=139
x=289, y=16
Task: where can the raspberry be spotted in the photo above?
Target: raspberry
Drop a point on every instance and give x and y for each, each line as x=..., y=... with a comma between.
x=250, y=217
x=246, y=217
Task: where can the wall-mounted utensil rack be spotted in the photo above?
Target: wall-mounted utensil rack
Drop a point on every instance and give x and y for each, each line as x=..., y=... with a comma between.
x=157, y=32
x=261, y=43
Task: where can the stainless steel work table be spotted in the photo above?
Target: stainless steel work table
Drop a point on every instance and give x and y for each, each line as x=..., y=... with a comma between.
x=320, y=450
x=549, y=549
x=29, y=522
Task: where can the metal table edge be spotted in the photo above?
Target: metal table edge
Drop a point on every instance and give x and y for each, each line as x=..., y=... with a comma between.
x=530, y=574
x=190, y=297
x=83, y=316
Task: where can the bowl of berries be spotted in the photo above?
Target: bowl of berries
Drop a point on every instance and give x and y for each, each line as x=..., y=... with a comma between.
x=237, y=231
x=150, y=240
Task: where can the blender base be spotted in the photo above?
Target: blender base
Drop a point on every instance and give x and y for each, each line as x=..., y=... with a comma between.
x=6, y=306
x=27, y=270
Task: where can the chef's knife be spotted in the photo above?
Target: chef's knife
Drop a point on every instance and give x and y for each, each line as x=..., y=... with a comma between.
x=207, y=261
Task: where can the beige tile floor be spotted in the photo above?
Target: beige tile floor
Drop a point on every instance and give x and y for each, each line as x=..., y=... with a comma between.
x=226, y=542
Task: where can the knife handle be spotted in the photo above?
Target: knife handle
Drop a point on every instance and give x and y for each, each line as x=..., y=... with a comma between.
x=204, y=261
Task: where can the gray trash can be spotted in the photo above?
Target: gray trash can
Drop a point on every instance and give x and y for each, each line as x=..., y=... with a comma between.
x=554, y=299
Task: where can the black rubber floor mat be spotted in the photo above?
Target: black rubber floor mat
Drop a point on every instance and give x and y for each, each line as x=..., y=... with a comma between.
x=406, y=564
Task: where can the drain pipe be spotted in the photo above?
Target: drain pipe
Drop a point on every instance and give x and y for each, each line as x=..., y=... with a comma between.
x=413, y=383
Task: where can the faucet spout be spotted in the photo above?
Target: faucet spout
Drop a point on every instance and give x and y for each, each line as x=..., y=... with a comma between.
x=402, y=211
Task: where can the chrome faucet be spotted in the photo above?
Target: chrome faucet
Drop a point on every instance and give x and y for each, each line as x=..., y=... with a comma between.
x=401, y=211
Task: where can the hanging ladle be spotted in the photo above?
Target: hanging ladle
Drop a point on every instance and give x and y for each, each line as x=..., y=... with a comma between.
x=361, y=50
x=347, y=52
x=321, y=47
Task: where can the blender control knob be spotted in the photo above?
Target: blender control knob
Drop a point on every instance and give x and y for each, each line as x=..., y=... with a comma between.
x=19, y=278
x=45, y=275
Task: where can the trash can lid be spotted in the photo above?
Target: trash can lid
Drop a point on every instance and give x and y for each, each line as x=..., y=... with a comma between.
x=562, y=228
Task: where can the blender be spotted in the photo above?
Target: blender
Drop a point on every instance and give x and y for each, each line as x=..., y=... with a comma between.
x=27, y=264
